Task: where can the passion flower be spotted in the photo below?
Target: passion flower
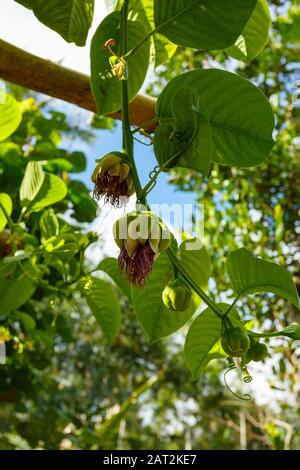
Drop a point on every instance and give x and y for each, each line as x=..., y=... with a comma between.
x=176, y=295
x=235, y=342
x=112, y=179
x=141, y=237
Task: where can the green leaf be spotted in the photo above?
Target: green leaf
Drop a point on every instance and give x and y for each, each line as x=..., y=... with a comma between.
x=254, y=36
x=105, y=306
x=292, y=331
x=84, y=207
x=195, y=261
x=15, y=292
x=142, y=10
x=27, y=321
x=189, y=138
x=202, y=343
x=10, y=116
x=69, y=18
x=17, y=257
x=110, y=267
x=49, y=225
x=163, y=48
x=105, y=87
x=250, y=275
x=52, y=191
x=32, y=182
x=6, y=207
x=240, y=116
x=202, y=24
x=158, y=321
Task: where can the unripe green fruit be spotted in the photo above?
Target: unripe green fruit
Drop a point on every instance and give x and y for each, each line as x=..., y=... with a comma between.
x=235, y=342
x=257, y=352
x=176, y=296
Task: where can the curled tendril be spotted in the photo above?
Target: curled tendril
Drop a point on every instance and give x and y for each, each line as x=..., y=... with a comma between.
x=141, y=142
x=247, y=378
x=154, y=172
x=246, y=396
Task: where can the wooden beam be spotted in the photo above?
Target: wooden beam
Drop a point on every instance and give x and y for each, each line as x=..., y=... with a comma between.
x=37, y=74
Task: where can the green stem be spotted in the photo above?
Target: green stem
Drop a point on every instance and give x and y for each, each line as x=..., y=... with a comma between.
x=210, y=303
x=231, y=306
x=127, y=136
x=129, y=151
x=158, y=28
x=144, y=124
x=10, y=222
x=265, y=335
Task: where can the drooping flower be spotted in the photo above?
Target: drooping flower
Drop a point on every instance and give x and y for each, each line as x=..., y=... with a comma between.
x=112, y=179
x=141, y=236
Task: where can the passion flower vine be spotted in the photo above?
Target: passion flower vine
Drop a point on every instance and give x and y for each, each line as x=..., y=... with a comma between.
x=141, y=237
x=112, y=180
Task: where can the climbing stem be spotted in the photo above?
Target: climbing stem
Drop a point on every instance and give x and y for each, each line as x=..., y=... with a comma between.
x=128, y=145
x=210, y=303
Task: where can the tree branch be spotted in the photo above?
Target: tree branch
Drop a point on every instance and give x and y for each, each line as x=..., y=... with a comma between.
x=37, y=74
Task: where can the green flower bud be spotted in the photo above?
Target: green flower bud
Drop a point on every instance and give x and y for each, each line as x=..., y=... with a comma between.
x=138, y=235
x=235, y=342
x=112, y=179
x=257, y=351
x=176, y=296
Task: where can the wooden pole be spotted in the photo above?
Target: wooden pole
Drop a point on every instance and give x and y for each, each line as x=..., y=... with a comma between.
x=40, y=75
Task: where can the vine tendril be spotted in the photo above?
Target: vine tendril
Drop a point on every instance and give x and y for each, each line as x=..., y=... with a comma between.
x=246, y=396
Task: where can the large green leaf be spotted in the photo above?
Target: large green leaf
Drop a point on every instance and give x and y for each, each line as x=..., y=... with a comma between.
x=157, y=321
x=6, y=207
x=202, y=343
x=163, y=48
x=10, y=116
x=189, y=136
x=107, y=88
x=240, y=116
x=32, y=182
x=49, y=225
x=110, y=267
x=15, y=292
x=142, y=10
x=69, y=18
x=52, y=191
x=104, y=305
x=155, y=318
x=250, y=275
x=40, y=189
x=255, y=34
x=202, y=24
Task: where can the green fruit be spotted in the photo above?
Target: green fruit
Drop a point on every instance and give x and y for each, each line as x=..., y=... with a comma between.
x=257, y=352
x=235, y=342
x=176, y=296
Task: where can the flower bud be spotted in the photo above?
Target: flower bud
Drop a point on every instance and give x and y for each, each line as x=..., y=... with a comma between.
x=257, y=351
x=176, y=296
x=112, y=179
x=235, y=342
x=139, y=236
x=118, y=67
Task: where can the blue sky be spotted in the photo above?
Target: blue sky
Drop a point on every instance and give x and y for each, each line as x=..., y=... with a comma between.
x=20, y=27
x=106, y=141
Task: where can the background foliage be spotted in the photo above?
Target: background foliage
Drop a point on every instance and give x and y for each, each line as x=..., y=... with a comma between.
x=63, y=386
